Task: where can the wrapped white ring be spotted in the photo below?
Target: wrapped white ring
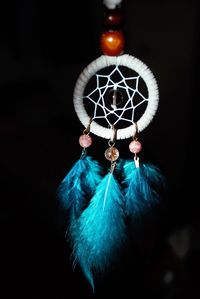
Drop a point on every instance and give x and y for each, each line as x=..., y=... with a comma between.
x=130, y=62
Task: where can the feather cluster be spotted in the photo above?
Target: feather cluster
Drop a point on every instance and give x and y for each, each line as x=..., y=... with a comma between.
x=98, y=207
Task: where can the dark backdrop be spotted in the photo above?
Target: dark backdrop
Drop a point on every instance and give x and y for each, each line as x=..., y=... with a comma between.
x=43, y=48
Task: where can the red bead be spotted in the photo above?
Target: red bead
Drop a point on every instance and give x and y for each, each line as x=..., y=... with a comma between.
x=113, y=19
x=112, y=43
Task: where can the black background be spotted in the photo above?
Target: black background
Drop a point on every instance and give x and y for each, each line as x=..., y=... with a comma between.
x=43, y=48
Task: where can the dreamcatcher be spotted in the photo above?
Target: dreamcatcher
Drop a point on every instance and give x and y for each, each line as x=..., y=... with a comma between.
x=115, y=97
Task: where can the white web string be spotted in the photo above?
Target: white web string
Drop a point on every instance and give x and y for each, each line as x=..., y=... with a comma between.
x=99, y=96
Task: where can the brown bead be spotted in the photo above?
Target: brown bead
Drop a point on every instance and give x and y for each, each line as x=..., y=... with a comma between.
x=113, y=19
x=112, y=43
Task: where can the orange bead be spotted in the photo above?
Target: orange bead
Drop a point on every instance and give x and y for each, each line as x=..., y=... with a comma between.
x=112, y=43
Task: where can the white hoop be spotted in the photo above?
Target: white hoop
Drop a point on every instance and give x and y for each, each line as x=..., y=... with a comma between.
x=130, y=62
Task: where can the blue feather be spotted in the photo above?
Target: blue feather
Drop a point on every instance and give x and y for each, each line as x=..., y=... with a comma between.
x=76, y=189
x=143, y=187
x=101, y=230
x=79, y=185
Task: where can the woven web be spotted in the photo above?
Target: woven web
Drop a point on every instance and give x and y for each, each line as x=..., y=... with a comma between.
x=131, y=89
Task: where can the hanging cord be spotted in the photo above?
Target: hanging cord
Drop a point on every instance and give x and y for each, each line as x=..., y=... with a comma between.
x=112, y=4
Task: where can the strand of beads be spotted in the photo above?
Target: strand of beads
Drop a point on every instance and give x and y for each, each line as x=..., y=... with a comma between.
x=112, y=39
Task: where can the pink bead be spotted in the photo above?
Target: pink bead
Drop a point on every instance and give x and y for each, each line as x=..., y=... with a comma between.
x=85, y=140
x=135, y=146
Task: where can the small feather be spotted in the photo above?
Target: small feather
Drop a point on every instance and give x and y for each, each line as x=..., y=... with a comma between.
x=76, y=189
x=102, y=232
x=142, y=187
x=79, y=184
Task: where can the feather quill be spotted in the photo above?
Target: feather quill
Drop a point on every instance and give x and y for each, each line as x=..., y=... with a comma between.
x=101, y=230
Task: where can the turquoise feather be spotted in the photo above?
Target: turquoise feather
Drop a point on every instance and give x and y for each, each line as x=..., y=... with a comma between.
x=76, y=189
x=101, y=230
x=143, y=187
x=79, y=185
